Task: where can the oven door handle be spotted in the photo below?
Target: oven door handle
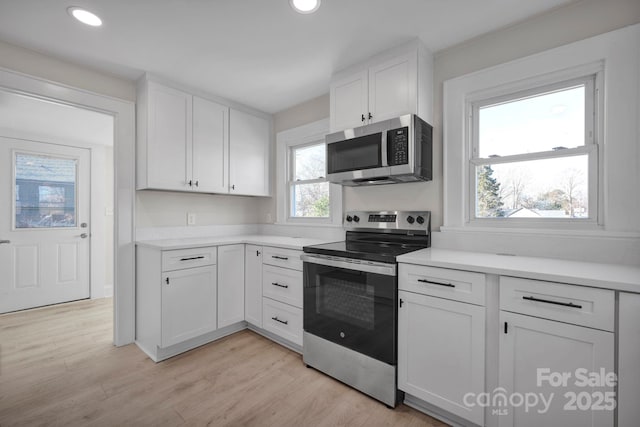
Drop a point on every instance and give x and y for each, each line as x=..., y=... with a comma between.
x=374, y=267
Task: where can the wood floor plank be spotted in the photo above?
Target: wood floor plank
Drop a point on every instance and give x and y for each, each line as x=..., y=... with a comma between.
x=59, y=368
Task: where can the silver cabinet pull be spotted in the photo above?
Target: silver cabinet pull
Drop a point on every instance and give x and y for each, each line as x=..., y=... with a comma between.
x=6, y=242
x=279, y=285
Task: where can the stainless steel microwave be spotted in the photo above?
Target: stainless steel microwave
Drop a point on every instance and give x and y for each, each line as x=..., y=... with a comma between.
x=386, y=152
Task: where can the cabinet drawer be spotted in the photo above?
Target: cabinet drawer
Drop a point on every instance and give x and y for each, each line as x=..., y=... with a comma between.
x=456, y=285
x=187, y=258
x=282, y=284
x=288, y=258
x=579, y=305
x=283, y=320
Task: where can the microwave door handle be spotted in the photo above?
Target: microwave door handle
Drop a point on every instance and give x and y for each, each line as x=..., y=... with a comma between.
x=385, y=160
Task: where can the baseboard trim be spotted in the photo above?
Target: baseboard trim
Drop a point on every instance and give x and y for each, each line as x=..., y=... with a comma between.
x=275, y=338
x=437, y=413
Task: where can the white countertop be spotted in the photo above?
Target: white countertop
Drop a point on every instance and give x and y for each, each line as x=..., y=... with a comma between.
x=608, y=276
x=253, y=239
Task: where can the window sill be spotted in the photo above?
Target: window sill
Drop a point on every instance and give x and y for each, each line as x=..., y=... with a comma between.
x=577, y=232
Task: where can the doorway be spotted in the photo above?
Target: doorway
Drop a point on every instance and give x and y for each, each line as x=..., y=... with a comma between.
x=123, y=116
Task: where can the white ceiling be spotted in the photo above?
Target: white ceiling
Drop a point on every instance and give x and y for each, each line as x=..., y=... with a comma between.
x=257, y=52
x=40, y=120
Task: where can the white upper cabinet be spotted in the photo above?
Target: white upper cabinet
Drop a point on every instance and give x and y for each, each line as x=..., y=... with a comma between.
x=164, y=138
x=349, y=101
x=396, y=82
x=189, y=143
x=210, y=158
x=393, y=88
x=249, y=154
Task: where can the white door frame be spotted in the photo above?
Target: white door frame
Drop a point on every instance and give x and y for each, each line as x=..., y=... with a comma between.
x=123, y=113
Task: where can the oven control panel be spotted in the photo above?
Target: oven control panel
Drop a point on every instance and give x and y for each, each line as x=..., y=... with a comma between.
x=389, y=220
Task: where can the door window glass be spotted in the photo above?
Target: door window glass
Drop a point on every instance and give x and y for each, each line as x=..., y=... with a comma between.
x=45, y=191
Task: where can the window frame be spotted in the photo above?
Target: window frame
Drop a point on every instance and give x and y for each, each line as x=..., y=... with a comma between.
x=592, y=79
x=287, y=141
x=292, y=182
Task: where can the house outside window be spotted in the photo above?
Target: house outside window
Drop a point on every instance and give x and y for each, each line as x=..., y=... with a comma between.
x=304, y=195
x=534, y=155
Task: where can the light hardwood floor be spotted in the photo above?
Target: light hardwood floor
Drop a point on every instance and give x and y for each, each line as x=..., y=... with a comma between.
x=59, y=367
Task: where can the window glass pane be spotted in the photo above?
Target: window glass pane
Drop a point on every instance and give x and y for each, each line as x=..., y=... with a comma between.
x=534, y=124
x=45, y=191
x=310, y=200
x=549, y=188
x=309, y=162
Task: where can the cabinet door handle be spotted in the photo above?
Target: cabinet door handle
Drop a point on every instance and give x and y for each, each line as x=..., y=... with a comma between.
x=197, y=182
x=363, y=119
x=370, y=116
x=506, y=327
x=257, y=253
x=192, y=258
x=233, y=187
x=449, y=285
x=284, y=258
x=190, y=183
x=546, y=301
x=279, y=285
x=167, y=280
x=5, y=242
x=286, y=322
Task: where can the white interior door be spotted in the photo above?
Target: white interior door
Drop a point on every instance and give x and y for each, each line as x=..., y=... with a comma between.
x=44, y=199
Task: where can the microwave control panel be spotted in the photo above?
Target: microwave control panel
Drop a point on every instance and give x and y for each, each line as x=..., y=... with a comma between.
x=398, y=146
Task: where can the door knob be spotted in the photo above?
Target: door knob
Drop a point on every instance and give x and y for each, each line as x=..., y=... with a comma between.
x=84, y=235
x=5, y=242
x=83, y=225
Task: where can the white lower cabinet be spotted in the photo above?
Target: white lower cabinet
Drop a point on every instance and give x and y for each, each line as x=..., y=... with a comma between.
x=441, y=349
x=283, y=320
x=230, y=284
x=188, y=304
x=534, y=354
x=253, y=285
x=629, y=360
x=176, y=299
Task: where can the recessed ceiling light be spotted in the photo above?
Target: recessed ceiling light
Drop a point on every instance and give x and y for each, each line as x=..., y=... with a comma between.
x=85, y=16
x=305, y=6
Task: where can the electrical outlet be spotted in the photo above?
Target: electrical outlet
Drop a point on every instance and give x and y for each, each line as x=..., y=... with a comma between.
x=191, y=219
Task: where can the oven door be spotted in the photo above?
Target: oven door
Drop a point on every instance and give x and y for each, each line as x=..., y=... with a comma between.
x=352, y=304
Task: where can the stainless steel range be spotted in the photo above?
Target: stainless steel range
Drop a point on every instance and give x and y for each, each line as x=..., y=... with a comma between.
x=351, y=299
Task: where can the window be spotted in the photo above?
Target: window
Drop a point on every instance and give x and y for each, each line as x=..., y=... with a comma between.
x=534, y=154
x=308, y=187
x=304, y=194
x=45, y=191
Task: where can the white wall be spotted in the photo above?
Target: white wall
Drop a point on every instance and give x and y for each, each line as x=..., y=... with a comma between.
x=47, y=67
x=169, y=209
x=558, y=27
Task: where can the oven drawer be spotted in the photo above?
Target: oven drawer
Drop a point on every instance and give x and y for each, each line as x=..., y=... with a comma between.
x=288, y=258
x=574, y=304
x=187, y=258
x=282, y=319
x=282, y=284
x=464, y=286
